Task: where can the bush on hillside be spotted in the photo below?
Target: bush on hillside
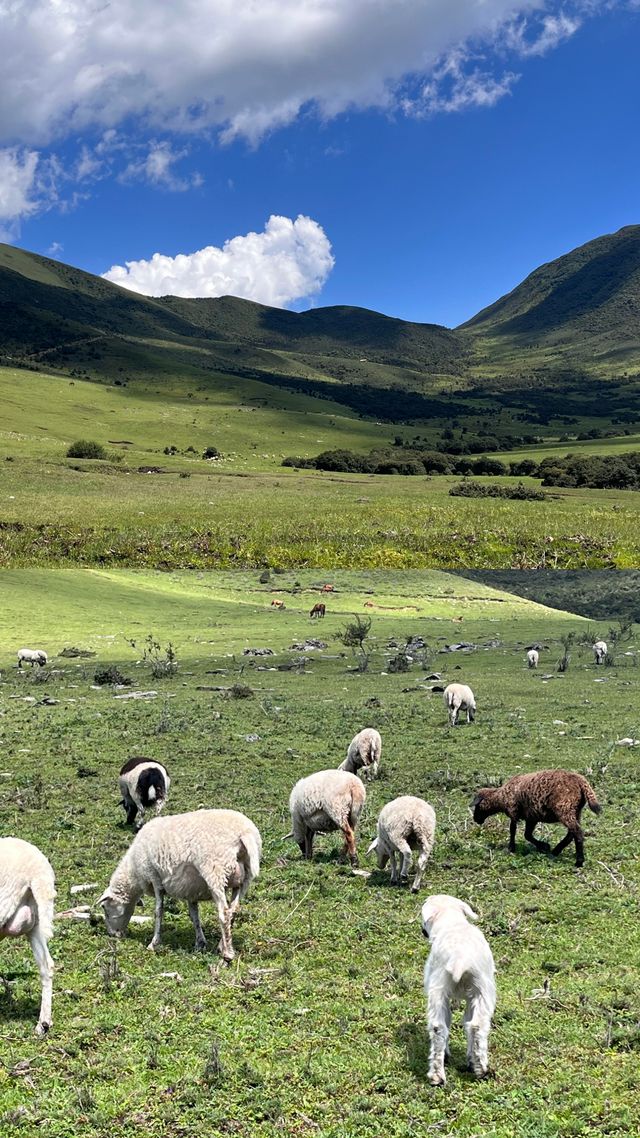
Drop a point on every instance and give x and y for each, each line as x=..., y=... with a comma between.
x=520, y=492
x=86, y=448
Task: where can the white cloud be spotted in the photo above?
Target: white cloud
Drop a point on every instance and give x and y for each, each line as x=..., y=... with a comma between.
x=156, y=167
x=241, y=67
x=17, y=183
x=288, y=261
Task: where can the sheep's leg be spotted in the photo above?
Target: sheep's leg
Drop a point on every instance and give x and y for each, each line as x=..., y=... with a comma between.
x=140, y=819
x=225, y=946
x=350, y=845
x=132, y=811
x=43, y=959
x=394, y=869
x=405, y=849
x=194, y=913
x=529, y=827
x=513, y=826
x=574, y=834
x=307, y=846
x=477, y=1023
x=422, y=864
x=156, y=939
x=439, y=1020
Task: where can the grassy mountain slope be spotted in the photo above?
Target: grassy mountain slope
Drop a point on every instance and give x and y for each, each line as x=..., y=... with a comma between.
x=580, y=307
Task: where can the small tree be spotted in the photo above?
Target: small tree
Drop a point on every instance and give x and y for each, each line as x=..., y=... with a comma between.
x=353, y=636
x=567, y=640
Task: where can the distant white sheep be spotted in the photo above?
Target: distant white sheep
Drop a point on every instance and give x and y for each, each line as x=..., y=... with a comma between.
x=32, y=656
x=460, y=967
x=143, y=783
x=364, y=753
x=27, y=891
x=457, y=698
x=600, y=651
x=325, y=801
x=193, y=857
x=533, y=658
x=405, y=824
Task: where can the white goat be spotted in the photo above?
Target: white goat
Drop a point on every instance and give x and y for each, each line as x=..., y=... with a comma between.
x=193, y=857
x=27, y=890
x=364, y=753
x=459, y=967
x=325, y=801
x=533, y=658
x=32, y=656
x=600, y=651
x=405, y=824
x=457, y=698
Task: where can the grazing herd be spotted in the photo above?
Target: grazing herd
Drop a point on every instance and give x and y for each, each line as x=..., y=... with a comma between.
x=214, y=855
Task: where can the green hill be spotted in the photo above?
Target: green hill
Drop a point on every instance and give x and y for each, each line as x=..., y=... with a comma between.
x=546, y=348
x=583, y=308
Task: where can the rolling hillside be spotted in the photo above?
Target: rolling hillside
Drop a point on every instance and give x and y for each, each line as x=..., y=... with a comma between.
x=575, y=319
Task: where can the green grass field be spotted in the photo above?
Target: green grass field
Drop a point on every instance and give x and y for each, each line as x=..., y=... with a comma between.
x=318, y=1027
x=246, y=510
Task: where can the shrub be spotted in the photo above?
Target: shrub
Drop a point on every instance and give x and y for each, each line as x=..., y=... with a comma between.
x=520, y=492
x=111, y=675
x=86, y=448
x=211, y=452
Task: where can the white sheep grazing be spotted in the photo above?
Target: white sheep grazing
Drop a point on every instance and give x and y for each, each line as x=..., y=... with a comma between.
x=457, y=698
x=192, y=857
x=32, y=656
x=143, y=783
x=533, y=658
x=460, y=967
x=600, y=651
x=325, y=801
x=364, y=753
x=405, y=824
x=27, y=890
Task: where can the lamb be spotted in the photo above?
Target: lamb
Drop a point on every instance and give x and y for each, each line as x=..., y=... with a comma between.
x=27, y=890
x=142, y=783
x=193, y=857
x=457, y=698
x=32, y=656
x=364, y=753
x=459, y=967
x=324, y=801
x=533, y=658
x=544, y=796
x=600, y=651
x=405, y=824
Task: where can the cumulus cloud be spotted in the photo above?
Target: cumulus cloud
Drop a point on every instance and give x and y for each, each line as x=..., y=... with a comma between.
x=17, y=183
x=234, y=65
x=288, y=261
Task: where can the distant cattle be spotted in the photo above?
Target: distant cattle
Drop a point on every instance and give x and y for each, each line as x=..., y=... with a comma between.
x=327, y=588
x=318, y=611
x=277, y=604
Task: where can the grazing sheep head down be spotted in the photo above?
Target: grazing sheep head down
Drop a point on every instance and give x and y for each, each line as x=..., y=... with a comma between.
x=117, y=913
x=382, y=855
x=484, y=805
x=440, y=903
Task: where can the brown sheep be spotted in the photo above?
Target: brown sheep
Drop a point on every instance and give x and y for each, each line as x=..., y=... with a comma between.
x=544, y=796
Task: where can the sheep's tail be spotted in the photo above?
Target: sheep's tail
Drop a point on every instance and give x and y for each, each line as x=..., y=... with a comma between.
x=590, y=796
x=44, y=890
x=151, y=794
x=252, y=852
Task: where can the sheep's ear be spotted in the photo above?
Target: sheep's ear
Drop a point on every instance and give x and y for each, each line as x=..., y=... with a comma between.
x=106, y=896
x=373, y=846
x=468, y=911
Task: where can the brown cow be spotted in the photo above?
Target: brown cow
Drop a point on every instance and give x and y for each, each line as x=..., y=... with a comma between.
x=327, y=588
x=277, y=604
x=318, y=610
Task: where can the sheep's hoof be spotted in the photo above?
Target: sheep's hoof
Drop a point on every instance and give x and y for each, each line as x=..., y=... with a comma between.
x=200, y=946
x=437, y=1080
x=153, y=946
x=415, y=888
x=544, y=847
x=404, y=880
x=42, y=1028
x=354, y=863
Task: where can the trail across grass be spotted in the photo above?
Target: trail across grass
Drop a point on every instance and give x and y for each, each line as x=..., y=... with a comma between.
x=318, y=1028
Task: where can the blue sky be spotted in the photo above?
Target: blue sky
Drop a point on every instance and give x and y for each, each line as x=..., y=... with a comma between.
x=432, y=163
